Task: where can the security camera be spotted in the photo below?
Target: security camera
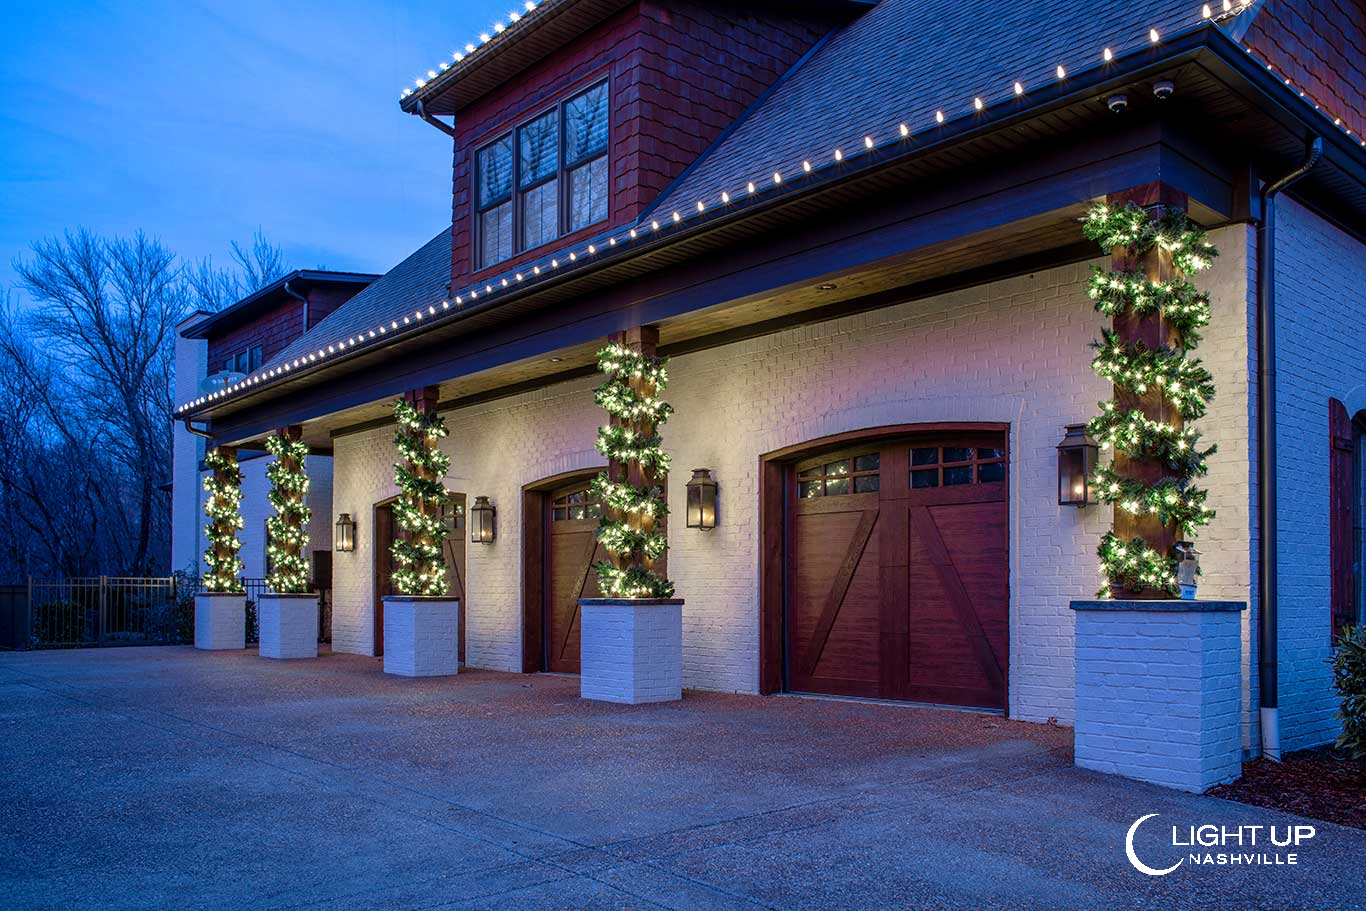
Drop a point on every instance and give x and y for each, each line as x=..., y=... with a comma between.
x=1163, y=90
x=1117, y=103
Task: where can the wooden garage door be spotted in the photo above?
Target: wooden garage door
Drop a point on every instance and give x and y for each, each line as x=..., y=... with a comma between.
x=897, y=570
x=571, y=549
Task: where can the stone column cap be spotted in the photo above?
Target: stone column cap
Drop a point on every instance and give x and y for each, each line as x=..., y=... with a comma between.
x=629, y=602
x=1166, y=605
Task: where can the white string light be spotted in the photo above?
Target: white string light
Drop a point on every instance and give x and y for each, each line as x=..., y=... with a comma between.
x=499, y=29
x=633, y=233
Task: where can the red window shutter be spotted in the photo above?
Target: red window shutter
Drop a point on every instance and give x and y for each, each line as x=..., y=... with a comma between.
x=1341, y=482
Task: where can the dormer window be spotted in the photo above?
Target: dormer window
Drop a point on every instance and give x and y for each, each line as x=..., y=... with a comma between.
x=557, y=161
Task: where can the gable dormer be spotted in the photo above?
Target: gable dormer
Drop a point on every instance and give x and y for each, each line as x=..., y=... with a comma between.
x=574, y=119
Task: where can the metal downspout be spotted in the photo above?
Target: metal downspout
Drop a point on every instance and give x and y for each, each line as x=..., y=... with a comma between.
x=1268, y=644
x=297, y=296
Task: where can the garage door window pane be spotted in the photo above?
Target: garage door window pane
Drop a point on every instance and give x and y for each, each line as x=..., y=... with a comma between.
x=925, y=477
x=991, y=472
x=957, y=454
x=811, y=473
x=925, y=455
x=808, y=489
x=867, y=462
x=960, y=475
x=837, y=469
x=985, y=454
x=867, y=483
x=836, y=486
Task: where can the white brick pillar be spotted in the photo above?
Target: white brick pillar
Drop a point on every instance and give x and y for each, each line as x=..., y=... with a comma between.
x=421, y=636
x=289, y=625
x=220, y=620
x=631, y=649
x=1159, y=690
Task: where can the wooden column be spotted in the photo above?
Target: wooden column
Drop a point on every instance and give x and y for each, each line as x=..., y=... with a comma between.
x=644, y=340
x=424, y=400
x=293, y=432
x=1154, y=332
x=220, y=475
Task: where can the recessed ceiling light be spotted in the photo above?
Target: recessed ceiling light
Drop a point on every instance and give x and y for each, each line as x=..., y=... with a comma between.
x=828, y=286
x=556, y=360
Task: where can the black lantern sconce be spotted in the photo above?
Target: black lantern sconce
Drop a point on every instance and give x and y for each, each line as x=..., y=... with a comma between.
x=344, y=539
x=482, y=518
x=701, y=499
x=1077, y=456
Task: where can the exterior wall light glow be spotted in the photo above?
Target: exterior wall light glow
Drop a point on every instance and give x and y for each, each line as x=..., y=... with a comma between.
x=482, y=521
x=1077, y=456
x=344, y=541
x=701, y=499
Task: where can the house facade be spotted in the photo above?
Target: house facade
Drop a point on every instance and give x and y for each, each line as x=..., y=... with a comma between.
x=853, y=227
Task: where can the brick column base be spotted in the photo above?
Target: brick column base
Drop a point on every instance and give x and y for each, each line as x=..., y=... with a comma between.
x=421, y=636
x=631, y=649
x=1159, y=690
x=289, y=625
x=220, y=620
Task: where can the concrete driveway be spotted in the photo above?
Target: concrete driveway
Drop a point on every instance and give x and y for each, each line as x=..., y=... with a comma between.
x=168, y=778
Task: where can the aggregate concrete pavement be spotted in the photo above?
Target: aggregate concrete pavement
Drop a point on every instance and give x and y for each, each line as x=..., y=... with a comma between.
x=169, y=778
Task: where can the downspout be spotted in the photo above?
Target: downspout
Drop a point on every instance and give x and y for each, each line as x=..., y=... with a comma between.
x=439, y=124
x=297, y=296
x=195, y=430
x=1268, y=645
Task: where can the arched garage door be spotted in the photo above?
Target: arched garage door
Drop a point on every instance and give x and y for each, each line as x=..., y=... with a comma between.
x=896, y=569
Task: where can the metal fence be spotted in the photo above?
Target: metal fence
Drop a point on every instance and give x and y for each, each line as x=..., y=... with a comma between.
x=118, y=610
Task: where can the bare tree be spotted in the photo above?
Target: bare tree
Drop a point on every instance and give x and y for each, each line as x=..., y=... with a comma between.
x=215, y=287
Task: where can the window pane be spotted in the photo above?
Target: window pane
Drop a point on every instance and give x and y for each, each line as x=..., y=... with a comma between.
x=836, y=486
x=242, y=362
x=541, y=214
x=558, y=514
x=588, y=194
x=960, y=475
x=539, y=149
x=494, y=164
x=808, y=489
x=991, y=472
x=811, y=473
x=577, y=512
x=927, y=455
x=255, y=359
x=866, y=484
x=585, y=125
x=957, y=454
x=836, y=469
x=925, y=477
x=867, y=462
x=495, y=235
x=990, y=453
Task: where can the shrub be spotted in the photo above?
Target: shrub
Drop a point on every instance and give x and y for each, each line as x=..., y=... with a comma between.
x=1349, y=678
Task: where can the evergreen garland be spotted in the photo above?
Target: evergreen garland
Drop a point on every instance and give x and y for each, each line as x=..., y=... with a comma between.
x=1137, y=369
x=422, y=496
x=629, y=528
x=223, y=566
x=287, y=529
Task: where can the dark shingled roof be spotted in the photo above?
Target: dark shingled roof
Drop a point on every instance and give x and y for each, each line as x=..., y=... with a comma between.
x=904, y=60
x=418, y=281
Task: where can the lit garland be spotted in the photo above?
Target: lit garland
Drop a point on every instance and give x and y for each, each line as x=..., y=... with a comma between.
x=287, y=529
x=223, y=566
x=420, y=478
x=629, y=528
x=1135, y=368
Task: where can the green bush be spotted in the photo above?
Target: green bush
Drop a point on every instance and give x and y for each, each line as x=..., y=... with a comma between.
x=1349, y=678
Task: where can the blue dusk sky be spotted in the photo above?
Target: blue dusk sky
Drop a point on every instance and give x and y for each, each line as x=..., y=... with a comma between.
x=197, y=122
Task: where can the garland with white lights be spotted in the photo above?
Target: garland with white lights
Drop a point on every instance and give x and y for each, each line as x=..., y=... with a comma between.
x=1138, y=370
x=422, y=495
x=223, y=566
x=629, y=528
x=287, y=529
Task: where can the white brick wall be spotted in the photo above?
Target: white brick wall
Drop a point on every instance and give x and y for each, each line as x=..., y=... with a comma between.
x=1013, y=351
x=631, y=653
x=1320, y=277
x=1158, y=695
x=187, y=535
x=421, y=637
x=289, y=626
x=220, y=621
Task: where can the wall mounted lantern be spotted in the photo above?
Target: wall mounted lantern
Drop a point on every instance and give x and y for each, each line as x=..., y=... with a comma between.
x=701, y=499
x=1187, y=568
x=1077, y=456
x=344, y=541
x=481, y=518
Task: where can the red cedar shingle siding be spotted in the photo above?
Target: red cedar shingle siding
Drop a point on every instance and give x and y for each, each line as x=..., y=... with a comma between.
x=1316, y=44
x=680, y=73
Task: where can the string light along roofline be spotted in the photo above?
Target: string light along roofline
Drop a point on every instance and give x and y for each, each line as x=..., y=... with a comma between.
x=811, y=168
x=517, y=17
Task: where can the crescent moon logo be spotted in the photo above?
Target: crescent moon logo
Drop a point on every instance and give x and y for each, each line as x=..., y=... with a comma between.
x=1133, y=858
